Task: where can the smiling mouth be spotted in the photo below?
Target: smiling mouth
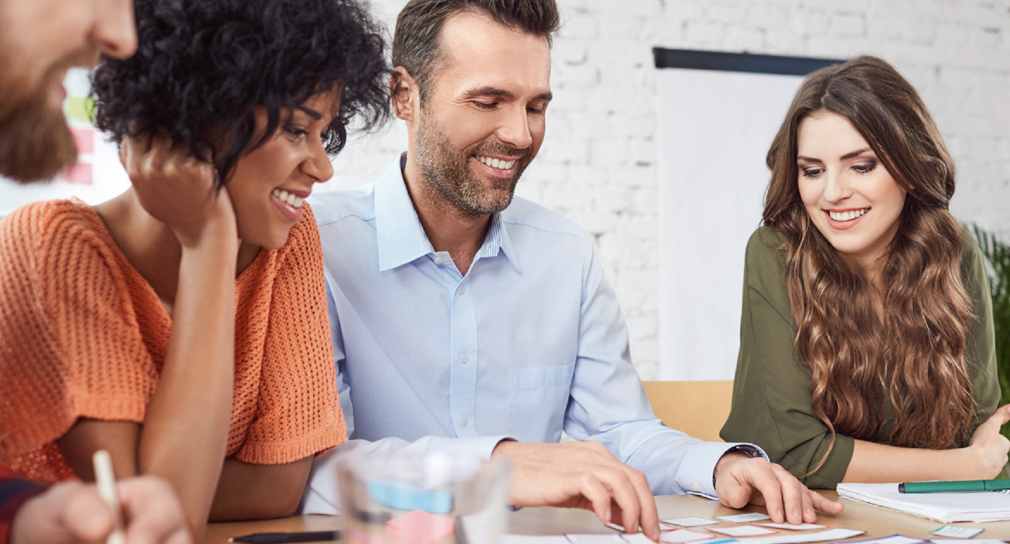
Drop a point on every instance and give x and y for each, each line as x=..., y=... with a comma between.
x=496, y=163
x=847, y=216
x=292, y=200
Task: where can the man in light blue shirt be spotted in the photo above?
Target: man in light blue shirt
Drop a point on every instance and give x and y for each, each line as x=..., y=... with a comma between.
x=467, y=321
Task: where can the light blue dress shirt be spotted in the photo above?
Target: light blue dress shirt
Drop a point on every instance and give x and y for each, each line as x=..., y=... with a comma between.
x=529, y=342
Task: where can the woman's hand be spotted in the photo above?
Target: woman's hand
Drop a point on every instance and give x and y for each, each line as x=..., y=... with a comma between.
x=989, y=447
x=177, y=189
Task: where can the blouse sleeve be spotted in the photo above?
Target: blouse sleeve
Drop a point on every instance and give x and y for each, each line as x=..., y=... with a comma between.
x=298, y=414
x=70, y=344
x=771, y=391
x=981, y=348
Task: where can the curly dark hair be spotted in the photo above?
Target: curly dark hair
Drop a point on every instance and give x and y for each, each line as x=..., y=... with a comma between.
x=201, y=67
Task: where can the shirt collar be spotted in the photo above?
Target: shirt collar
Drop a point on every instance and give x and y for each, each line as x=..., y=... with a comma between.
x=398, y=229
x=401, y=237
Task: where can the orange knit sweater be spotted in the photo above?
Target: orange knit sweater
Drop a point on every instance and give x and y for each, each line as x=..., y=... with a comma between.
x=82, y=334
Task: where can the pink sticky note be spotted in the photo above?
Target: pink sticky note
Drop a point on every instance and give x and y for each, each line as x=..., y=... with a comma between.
x=80, y=174
x=419, y=527
x=84, y=137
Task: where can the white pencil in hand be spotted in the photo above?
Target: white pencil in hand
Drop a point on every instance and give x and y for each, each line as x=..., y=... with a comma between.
x=106, y=483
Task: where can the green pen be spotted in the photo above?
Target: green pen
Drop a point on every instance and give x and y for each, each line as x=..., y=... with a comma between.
x=949, y=486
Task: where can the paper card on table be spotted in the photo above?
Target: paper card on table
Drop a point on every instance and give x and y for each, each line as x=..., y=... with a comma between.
x=831, y=535
x=968, y=541
x=957, y=532
x=533, y=539
x=791, y=527
x=893, y=539
x=683, y=535
x=689, y=522
x=595, y=539
x=637, y=538
x=419, y=527
x=744, y=518
x=742, y=530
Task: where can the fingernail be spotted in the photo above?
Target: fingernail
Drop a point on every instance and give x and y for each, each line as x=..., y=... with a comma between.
x=796, y=514
x=606, y=514
x=655, y=532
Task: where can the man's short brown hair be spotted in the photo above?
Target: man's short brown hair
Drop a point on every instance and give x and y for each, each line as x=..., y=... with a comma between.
x=419, y=27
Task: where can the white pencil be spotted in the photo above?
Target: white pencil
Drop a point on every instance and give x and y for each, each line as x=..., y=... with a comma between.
x=106, y=482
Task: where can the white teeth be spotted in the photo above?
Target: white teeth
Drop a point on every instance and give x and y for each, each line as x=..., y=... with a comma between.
x=291, y=199
x=496, y=163
x=847, y=216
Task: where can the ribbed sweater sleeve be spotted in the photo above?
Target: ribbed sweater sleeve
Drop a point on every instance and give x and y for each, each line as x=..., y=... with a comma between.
x=297, y=356
x=70, y=345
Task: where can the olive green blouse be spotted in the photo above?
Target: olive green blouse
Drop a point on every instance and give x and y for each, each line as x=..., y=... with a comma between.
x=771, y=391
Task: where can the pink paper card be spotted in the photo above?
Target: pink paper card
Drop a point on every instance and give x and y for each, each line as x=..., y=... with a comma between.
x=419, y=527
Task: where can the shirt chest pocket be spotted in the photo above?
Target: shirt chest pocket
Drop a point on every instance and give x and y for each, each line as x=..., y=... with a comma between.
x=538, y=399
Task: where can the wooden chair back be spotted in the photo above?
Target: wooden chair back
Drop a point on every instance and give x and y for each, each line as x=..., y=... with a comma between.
x=696, y=408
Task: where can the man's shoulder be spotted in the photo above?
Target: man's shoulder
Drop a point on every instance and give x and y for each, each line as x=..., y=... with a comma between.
x=527, y=214
x=333, y=206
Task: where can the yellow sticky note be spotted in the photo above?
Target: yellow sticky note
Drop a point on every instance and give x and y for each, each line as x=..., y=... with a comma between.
x=81, y=108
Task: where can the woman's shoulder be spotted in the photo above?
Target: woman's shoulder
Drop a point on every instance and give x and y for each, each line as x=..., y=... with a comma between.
x=971, y=253
x=766, y=251
x=44, y=226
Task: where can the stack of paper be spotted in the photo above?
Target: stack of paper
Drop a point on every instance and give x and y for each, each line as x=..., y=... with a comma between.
x=978, y=507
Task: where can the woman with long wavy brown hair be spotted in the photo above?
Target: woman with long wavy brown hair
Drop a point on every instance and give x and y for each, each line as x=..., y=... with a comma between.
x=866, y=337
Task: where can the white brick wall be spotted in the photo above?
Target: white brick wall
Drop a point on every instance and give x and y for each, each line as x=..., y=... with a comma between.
x=598, y=165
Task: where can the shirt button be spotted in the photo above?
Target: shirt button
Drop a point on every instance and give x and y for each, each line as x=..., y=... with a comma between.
x=464, y=359
x=694, y=487
x=439, y=260
x=461, y=290
x=463, y=421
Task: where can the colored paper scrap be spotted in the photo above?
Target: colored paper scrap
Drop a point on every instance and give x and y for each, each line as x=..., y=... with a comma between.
x=683, y=535
x=744, y=518
x=689, y=522
x=893, y=539
x=407, y=498
x=419, y=527
x=742, y=530
x=791, y=527
x=608, y=538
x=957, y=532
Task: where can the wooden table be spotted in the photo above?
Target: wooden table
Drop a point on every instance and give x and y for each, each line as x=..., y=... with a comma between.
x=875, y=521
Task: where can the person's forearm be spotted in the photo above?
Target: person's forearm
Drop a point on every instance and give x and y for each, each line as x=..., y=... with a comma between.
x=185, y=431
x=872, y=462
x=247, y=491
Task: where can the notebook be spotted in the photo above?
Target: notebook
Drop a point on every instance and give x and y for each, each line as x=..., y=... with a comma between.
x=978, y=506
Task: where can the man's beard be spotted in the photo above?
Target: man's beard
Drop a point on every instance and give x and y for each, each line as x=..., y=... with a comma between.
x=447, y=170
x=35, y=141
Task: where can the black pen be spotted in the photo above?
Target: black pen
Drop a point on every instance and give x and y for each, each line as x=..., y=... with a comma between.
x=282, y=538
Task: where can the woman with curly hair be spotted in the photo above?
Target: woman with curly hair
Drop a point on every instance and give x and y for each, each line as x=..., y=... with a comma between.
x=867, y=347
x=182, y=325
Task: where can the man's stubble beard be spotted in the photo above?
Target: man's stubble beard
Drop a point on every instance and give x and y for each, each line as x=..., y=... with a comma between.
x=447, y=171
x=35, y=141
